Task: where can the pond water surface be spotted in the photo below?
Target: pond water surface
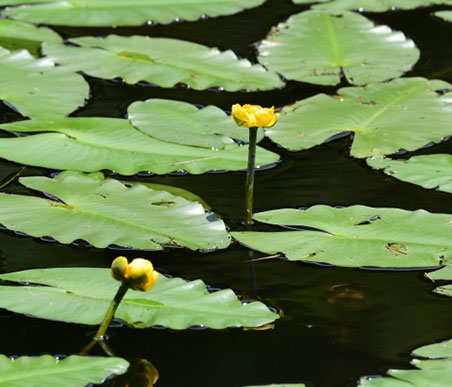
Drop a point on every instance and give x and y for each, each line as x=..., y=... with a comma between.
x=339, y=324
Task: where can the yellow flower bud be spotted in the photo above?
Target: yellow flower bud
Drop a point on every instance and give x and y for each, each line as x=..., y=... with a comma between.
x=138, y=274
x=248, y=116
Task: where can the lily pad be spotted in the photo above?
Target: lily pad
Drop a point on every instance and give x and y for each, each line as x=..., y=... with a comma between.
x=183, y=123
x=47, y=371
x=38, y=89
x=405, y=113
x=15, y=35
x=104, y=212
x=92, y=144
x=317, y=47
x=158, y=61
x=97, y=13
x=373, y=5
x=172, y=302
x=429, y=171
x=356, y=236
x=445, y=15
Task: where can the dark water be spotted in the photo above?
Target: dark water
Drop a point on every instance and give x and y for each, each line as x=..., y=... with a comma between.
x=339, y=324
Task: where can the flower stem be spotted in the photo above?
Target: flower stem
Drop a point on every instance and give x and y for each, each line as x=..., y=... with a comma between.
x=100, y=335
x=249, y=186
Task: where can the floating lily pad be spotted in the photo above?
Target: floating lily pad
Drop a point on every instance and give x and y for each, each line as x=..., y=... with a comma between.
x=47, y=371
x=372, y=5
x=183, y=123
x=15, y=35
x=38, y=89
x=104, y=212
x=405, y=113
x=158, y=61
x=172, y=302
x=356, y=236
x=431, y=373
x=93, y=144
x=438, y=275
x=316, y=47
x=429, y=171
x=117, y=13
x=446, y=15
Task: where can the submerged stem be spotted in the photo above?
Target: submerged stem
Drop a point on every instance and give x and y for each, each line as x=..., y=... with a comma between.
x=249, y=186
x=100, y=335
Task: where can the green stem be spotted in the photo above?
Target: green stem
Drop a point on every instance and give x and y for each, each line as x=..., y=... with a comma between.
x=249, y=186
x=100, y=335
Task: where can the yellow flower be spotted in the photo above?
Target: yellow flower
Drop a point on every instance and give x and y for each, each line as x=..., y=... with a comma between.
x=248, y=116
x=138, y=274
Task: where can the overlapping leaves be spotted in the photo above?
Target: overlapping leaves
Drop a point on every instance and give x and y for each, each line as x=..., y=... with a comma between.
x=384, y=117
x=356, y=236
x=183, y=123
x=47, y=371
x=172, y=302
x=104, y=212
x=93, y=144
x=316, y=47
x=158, y=61
x=38, y=89
x=119, y=13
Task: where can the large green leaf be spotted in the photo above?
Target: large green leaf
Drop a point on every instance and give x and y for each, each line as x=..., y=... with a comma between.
x=158, y=61
x=15, y=34
x=45, y=371
x=357, y=236
x=385, y=117
x=93, y=144
x=316, y=47
x=121, y=13
x=429, y=171
x=37, y=88
x=183, y=123
x=104, y=211
x=172, y=302
x=372, y=5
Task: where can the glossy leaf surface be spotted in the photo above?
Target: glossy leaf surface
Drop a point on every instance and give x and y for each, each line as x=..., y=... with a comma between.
x=93, y=144
x=118, y=13
x=405, y=113
x=429, y=171
x=38, y=89
x=15, y=35
x=158, y=61
x=183, y=123
x=172, y=302
x=104, y=212
x=356, y=236
x=47, y=371
x=373, y=5
x=317, y=46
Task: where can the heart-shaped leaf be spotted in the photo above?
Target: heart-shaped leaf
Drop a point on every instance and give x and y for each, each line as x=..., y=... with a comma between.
x=158, y=61
x=104, y=212
x=357, y=236
x=405, y=113
x=316, y=47
x=92, y=144
x=172, y=302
